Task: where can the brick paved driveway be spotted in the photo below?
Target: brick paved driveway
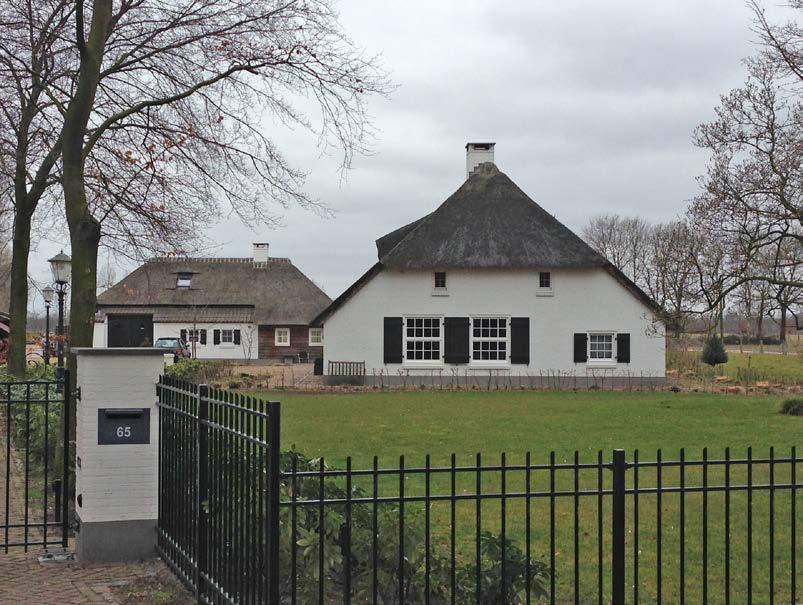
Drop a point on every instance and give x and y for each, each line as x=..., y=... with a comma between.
x=24, y=580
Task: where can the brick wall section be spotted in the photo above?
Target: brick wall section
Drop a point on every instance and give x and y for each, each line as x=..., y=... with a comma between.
x=299, y=341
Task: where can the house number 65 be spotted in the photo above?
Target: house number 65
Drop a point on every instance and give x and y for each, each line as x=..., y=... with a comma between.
x=123, y=431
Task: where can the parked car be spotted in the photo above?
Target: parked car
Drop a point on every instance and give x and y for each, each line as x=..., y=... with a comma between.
x=178, y=347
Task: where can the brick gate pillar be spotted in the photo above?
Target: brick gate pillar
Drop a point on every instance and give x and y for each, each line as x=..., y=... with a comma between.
x=117, y=453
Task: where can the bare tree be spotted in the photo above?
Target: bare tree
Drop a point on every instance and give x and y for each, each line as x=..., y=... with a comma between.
x=752, y=192
x=669, y=271
x=160, y=117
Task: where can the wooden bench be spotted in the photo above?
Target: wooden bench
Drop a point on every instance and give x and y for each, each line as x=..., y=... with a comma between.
x=347, y=368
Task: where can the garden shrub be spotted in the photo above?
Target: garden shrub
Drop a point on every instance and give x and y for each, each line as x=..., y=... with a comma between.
x=196, y=370
x=714, y=351
x=334, y=528
x=792, y=407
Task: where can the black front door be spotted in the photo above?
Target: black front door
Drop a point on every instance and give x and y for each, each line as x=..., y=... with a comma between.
x=130, y=330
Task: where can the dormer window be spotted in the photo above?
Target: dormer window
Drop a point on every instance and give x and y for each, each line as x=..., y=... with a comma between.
x=184, y=280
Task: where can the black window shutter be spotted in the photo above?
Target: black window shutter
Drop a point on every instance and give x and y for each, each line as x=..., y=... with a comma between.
x=520, y=340
x=580, y=348
x=236, y=337
x=456, y=331
x=216, y=337
x=203, y=337
x=623, y=348
x=183, y=335
x=393, y=340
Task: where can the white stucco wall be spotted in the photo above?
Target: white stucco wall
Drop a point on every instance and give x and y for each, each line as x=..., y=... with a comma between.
x=584, y=300
x=247, y=349
x=116, y=482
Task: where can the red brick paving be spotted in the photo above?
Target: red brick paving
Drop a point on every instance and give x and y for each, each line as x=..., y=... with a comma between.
x=24, y=580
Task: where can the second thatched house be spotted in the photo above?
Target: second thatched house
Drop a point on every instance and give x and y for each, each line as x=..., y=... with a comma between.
x=224, y=308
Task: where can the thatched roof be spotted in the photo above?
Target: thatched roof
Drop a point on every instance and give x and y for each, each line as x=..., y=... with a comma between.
x=487, y=223
x=275, y=292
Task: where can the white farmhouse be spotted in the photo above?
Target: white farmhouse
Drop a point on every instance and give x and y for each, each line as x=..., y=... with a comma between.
x=490, y=284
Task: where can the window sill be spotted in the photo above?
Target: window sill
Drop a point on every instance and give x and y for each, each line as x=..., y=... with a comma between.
x=601, y=364
x=284, y=344
x=440, y=292
x=412, y=365
x=545, y=292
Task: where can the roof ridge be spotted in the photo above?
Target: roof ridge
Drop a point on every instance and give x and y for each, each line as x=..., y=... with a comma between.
x=215, y=259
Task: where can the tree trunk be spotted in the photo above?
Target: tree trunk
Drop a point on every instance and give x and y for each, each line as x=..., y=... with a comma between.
x=782, y=335
x=18, y=307
x=84, y=228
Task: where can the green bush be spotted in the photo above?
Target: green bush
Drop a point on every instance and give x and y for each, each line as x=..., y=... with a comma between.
x=333, y=525
x=31, y=425
x=792, y=407
x=714, y=351
x=196, y=370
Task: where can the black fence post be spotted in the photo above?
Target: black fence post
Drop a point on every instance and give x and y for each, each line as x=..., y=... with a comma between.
x=201, y=528
x=65, y=460
x=618, y=528
x=274, y=483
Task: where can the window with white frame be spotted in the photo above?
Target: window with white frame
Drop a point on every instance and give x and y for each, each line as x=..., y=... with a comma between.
x=227, y=336
x=489, y=339
x=315, y=337
x=600, y=347
x=423, y=339
x=282, y=337
x=193, y=335
x=184, y=280
x=545, y=280
x=440, y=279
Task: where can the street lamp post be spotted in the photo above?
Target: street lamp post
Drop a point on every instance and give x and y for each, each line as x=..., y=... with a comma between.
x=61, y=267
x=47, y=294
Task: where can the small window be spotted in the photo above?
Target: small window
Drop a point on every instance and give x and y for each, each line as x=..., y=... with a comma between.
x=315, y=337
x=600, y=346
x=544, y=279
x=193, y=335
x=282, y=337
x=440, y=279
x=184, y=280
x=227, y=336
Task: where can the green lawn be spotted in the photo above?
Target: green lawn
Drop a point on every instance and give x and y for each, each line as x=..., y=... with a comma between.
x=390, y=424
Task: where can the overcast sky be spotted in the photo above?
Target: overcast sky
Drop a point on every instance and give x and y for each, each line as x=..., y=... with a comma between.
x=591, y=105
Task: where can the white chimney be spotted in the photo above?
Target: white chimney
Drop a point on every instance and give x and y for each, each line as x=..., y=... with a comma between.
x=476, y=154
x=261, y=253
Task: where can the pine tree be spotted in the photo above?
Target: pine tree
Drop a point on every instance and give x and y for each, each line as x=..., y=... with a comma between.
x=714, y=351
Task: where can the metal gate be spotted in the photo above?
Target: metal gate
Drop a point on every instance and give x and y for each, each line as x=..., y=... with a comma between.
x=34, y=463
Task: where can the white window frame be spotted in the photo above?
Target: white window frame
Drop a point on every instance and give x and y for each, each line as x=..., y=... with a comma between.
x=319, y=342
x=495, y=363
x=280, y=341
x=545, y=291
x=601, y=361
x=439, y=339
x=194, y=336
x=223, y=340
x=183, y=283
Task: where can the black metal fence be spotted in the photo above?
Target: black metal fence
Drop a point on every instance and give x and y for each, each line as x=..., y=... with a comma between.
x=215, y=508
x=243, y=523
x=34, y=425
